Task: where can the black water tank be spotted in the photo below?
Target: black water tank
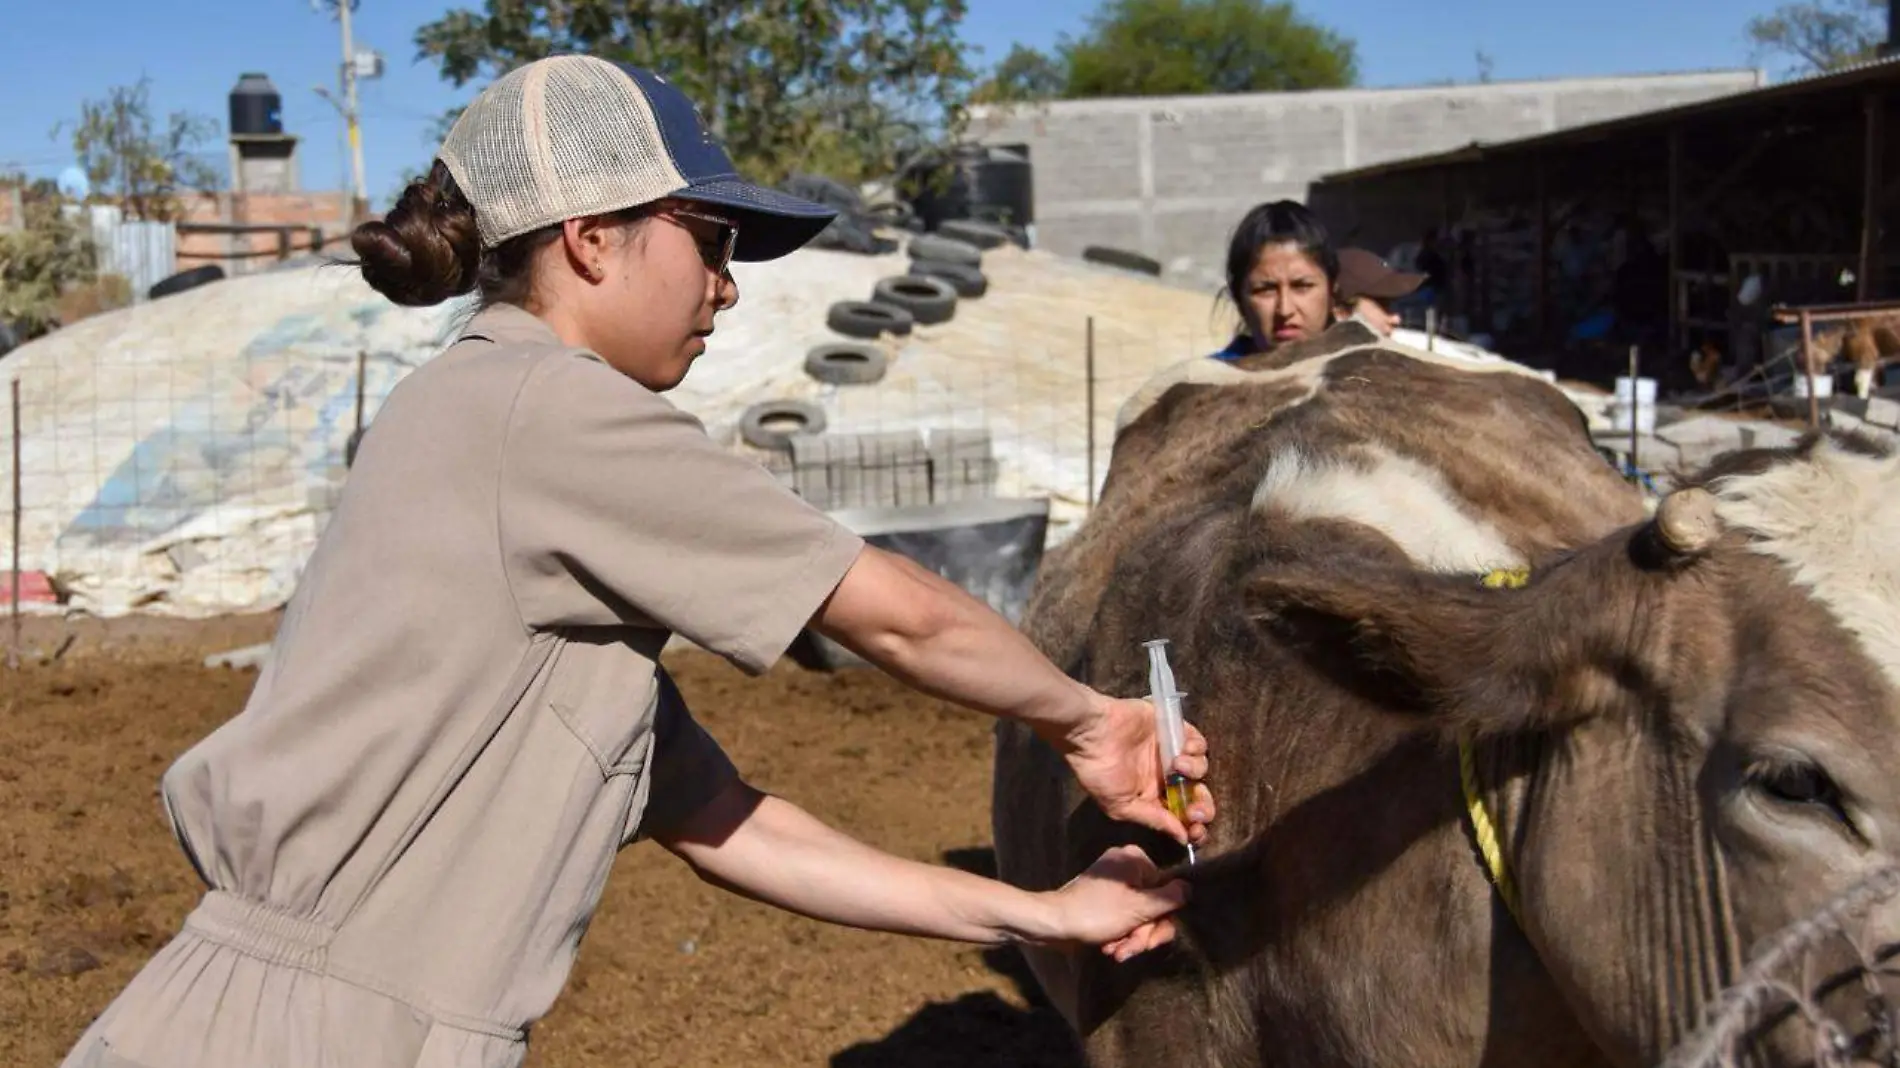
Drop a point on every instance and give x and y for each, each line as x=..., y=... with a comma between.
x=1003, y=185
x=256, y=109
x=972, y=182
x=938, y=187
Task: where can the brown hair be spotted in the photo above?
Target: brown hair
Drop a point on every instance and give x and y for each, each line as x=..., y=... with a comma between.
x=427, y=249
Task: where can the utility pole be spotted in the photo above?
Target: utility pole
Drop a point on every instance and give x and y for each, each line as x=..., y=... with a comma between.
x=356, y=65
x=359, y=194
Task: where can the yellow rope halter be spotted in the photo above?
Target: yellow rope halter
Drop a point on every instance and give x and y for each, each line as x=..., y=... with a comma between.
x=1483, y=831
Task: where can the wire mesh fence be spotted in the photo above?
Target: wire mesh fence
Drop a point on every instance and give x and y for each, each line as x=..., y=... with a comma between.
x=1837, y=1015
x=199, y=487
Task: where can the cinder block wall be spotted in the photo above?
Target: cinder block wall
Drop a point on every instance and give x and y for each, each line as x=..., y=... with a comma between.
x=1169, y=176
x=329, y=211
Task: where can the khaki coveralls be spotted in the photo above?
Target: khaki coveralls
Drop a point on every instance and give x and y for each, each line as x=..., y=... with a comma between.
x=406, y=831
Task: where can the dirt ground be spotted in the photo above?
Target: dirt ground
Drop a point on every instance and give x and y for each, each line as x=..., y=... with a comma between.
x=92, y=883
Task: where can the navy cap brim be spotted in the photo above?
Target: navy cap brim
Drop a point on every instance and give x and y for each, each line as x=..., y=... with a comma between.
x=771, y=223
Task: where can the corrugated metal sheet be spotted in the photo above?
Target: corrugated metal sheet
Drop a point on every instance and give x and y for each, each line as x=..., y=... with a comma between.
x=141, y=252
x=1879, y=73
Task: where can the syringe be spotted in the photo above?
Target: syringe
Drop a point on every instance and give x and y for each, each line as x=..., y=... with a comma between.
x=1169, y=728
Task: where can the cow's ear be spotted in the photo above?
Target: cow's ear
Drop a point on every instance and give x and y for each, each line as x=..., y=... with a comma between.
x=1458, y=644
x=1493, y=653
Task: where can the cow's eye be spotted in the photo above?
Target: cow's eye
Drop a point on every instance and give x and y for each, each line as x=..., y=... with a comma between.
x=1800, y=783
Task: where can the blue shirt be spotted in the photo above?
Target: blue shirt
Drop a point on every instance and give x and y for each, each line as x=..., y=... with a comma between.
x=1241, y=345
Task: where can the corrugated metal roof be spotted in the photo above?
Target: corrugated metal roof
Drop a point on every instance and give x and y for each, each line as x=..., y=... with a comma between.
x=1874, y=71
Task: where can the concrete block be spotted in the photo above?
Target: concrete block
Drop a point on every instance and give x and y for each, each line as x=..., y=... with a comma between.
x=1210, y=158
x=847, y=473
x=811, y=469
x=962, y=464
x=902, y=461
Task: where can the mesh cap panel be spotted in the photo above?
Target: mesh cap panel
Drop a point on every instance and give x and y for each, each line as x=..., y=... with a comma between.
x=567, y=136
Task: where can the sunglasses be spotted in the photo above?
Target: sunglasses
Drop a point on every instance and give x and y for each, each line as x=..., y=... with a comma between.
x=717, y=252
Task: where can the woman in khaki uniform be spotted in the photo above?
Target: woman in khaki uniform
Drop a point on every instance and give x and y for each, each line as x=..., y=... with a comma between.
x=407, y=829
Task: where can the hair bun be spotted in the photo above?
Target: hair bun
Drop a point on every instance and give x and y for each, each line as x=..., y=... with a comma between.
x=427, y=249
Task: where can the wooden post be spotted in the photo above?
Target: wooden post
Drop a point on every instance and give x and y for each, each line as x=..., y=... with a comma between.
x=1807, y=367
x=1636, y=411
x=1090, y=356
x=1869, y=198
x=13, y=653
x=362, y=365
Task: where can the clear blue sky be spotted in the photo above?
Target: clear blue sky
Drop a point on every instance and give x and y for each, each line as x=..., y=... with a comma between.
x=60, y=53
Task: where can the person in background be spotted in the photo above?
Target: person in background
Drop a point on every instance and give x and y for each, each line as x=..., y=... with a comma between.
x=1366, y=288
x=1280, y=275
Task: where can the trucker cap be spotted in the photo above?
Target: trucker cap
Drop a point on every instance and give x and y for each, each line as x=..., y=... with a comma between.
x=575, y=135
x=1364, y=274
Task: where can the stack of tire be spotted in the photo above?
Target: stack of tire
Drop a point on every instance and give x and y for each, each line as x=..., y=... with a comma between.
x=945, y=267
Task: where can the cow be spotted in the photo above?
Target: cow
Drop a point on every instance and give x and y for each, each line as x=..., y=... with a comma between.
x=1869, y=344
x=1514, y=763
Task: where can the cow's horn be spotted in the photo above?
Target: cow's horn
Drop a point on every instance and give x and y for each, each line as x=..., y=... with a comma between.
x=1686, y=521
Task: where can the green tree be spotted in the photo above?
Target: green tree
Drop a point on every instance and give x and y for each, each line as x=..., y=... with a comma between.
x=1821, y=35
x=1025, y=74
x=838, y=86
x=40, y=261
x=137, y=162
x=1169, y=47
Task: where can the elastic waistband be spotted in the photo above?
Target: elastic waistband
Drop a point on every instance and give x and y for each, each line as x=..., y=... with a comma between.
x=273, y=935
x=262, y=931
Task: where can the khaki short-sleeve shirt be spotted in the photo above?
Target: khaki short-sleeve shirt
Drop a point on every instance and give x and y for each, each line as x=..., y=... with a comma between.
x=462, y=719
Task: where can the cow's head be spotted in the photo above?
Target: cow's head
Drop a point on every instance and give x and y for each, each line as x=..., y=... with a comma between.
x=1688, y=732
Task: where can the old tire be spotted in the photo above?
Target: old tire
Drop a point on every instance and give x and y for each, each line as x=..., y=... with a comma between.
x=946, y=249
x=968, y=281
x=1121, y=257
x=184, y=280
x=983, y=235
x=928, y=300
x=869, y=319
x=773, y=424
x=846, y=363
x=891, y=213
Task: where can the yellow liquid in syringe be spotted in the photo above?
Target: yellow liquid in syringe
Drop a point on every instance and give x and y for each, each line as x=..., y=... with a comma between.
x=1177, y=795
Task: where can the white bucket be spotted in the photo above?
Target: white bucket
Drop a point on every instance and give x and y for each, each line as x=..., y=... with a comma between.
x=1643, y=408
x=1823, y=386
x=1620, y=412
x=1645, y=390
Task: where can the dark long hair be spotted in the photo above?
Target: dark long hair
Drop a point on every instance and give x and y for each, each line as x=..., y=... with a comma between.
x=1275, y=223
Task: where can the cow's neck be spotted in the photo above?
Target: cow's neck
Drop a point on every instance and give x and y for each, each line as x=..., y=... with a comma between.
x=1620, y=889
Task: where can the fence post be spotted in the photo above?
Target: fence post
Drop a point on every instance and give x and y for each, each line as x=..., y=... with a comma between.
x=1090, y=353
x=1807, y=367
x=1636, y=413
x=13, y=653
